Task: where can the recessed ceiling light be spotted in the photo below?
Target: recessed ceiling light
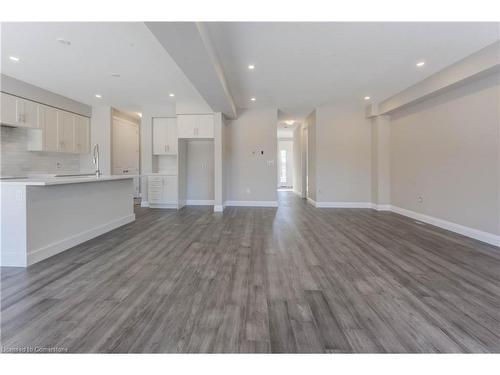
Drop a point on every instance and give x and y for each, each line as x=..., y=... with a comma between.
x=171, y=95
x=64, y=41
x=98, y=96
x=289, y=122
x=14, y=58
x=367, y=98
x=139, y=114
x=420, y=64
x=253, y=99
x=116, y=75
x=251, y=67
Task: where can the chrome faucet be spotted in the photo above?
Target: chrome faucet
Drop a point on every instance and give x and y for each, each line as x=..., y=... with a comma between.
x=95, y=160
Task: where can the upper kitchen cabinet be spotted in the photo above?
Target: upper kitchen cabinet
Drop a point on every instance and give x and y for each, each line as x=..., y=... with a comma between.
x=82, y=130
x=66, y=132
x=60, y=131
x=195, y=126
x=164, y=136
x=19, y=112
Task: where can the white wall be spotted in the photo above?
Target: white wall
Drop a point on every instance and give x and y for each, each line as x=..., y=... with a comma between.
x=311, y=156
x=250, y=176
x=343, y=163
x=446, y=150
x=297, y=159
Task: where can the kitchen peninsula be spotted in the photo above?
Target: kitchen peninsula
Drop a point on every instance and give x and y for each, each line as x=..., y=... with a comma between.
x=43, y=216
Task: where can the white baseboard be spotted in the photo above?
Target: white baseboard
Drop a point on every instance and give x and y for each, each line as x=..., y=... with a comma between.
x=144, y=204
x=312, y=202
x=477, y=234
x=252, y=203
x=344, y=204
x=199, y=202
x=218, y=208
x=381, y=207
x=58, y=247
x=163, y=205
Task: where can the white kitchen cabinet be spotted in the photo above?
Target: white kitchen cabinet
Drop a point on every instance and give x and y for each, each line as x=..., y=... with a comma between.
x=19, y=112
x=164, y=136
x=66, y=132
x=82, y=130
x=195, y=126
x=162, y=191
x=48, y=122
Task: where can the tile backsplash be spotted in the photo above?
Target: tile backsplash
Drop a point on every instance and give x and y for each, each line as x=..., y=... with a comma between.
x=17, y=160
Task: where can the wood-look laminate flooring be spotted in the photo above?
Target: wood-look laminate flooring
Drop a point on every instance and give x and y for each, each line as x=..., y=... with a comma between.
x=292, y=279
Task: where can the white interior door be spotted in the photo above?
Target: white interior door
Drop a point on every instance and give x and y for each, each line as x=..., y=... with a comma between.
x=125, y=157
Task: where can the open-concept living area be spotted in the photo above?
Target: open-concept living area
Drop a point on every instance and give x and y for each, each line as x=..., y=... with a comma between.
x=250, y=187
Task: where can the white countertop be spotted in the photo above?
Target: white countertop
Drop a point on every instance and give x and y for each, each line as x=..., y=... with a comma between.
x=52, y=180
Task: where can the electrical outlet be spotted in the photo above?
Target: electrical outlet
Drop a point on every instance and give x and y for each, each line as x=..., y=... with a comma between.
x=420, y=199
x=58, y=165
x=248, y=190
x=270, y=163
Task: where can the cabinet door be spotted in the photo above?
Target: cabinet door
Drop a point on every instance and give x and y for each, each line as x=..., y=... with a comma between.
x=82, y=128
x=29, y=114
x=204, y=126
x=48, y=123
x=66, y=131
x=9, y=114
x=186, y=126
x=159, y=136
x=170, y=189
x=171, y=136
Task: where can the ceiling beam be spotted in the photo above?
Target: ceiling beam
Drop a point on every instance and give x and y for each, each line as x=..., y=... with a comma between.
x=190, y=46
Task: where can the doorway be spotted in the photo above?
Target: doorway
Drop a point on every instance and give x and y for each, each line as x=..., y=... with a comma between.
x=125, y=149
x=285, y=164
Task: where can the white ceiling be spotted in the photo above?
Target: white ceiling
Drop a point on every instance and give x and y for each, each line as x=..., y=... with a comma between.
x=303, y=65
x=84, y=68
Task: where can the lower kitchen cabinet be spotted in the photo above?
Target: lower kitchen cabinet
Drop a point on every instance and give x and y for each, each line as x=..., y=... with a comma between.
x=162, y=191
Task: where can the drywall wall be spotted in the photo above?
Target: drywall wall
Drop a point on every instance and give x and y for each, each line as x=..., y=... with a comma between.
x=311, y=156
x=200, y=170
x=297, y=159
x=343, y=155
x=251, y=156
x=381, y=161
x=446, y=151
x=16, y=160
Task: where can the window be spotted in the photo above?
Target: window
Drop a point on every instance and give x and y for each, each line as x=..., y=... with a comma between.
x=283, y=167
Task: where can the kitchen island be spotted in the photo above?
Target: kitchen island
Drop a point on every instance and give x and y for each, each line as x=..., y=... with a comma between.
x=43, y=216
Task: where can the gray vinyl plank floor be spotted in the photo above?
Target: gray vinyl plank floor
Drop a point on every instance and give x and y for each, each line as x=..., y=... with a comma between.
x=260, y=280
